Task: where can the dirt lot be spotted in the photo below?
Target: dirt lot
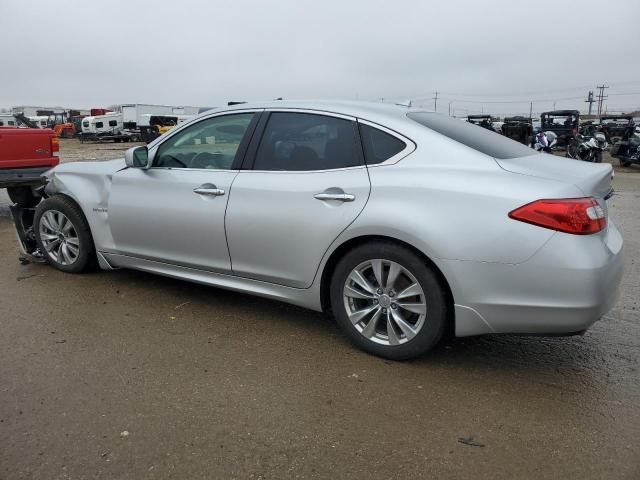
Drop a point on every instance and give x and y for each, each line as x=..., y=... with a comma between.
x=130, y=376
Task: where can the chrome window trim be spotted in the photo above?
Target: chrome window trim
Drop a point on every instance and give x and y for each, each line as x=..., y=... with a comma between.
x=304, y=171
x=408, y=150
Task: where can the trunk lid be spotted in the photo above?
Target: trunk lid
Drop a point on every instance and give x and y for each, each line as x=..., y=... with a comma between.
x=593, y=179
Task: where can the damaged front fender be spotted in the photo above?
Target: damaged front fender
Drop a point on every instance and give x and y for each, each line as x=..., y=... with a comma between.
x=89, y=185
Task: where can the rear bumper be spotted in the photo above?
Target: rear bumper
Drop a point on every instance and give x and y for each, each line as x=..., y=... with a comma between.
x=564, y=288
x=17, y=177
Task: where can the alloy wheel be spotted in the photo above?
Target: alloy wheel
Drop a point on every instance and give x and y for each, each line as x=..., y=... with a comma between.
x=59, y=237
x=385, y=302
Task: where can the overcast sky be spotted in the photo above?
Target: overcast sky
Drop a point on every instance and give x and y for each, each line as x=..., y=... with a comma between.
x=486, y=55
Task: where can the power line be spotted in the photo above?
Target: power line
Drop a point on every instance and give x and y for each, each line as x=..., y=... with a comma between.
x=521, y=94
x=511, y=101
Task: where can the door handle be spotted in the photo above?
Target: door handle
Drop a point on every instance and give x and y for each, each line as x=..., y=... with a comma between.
x=341, y=197
x=208, y=189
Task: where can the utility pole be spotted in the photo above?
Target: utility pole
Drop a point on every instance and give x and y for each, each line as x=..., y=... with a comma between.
x=531, y=111
x=590, y=100
x=449, y=108
x=601, y=98
x=435, y=101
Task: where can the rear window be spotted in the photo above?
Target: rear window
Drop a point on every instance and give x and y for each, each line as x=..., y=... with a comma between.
x=479, y=138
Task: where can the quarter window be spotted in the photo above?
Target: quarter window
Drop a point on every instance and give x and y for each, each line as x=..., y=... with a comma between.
x=304, y=141
x=211, y=143
x=378, y=145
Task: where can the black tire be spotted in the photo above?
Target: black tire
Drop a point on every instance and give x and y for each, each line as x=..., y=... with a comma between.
x=436, y=300
x=86, y=258
x=598, y=157
x=23, y=196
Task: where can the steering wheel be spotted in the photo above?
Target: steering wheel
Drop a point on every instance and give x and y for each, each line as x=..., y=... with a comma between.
x=207, y=160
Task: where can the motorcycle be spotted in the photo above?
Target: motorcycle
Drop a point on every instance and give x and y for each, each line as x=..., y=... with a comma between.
x=544, y=141
x=588, y=145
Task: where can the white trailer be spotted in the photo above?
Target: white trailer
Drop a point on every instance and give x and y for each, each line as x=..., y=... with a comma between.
x=132, y=113
x=41, y=120
x=8, y=120
x=135, y=115
x=109, y=123
x=105, y=127
x=186, y=110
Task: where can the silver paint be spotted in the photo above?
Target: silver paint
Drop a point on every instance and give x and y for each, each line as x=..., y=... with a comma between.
x=268, y=235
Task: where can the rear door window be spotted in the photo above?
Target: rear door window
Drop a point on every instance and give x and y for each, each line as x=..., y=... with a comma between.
x=479, y=138
x=379, y=146
x=305, y=141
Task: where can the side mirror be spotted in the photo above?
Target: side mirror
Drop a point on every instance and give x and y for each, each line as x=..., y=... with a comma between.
x=137, y=157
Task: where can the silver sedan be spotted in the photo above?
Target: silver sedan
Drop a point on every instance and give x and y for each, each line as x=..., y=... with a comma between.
x=404, y=224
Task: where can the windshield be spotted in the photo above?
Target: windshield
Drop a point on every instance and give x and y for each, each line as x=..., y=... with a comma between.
x=480, y=139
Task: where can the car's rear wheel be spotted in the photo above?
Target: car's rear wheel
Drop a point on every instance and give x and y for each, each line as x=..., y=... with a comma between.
x=63, y=235
x=388, y=301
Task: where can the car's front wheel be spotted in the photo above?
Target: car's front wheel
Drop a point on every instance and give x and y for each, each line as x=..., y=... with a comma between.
x=63, y=235
x=388, y=301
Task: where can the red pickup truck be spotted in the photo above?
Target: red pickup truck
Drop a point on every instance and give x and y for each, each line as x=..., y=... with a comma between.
x=26, y=153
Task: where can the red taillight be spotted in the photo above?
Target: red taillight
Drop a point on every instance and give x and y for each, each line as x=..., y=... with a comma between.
x=55, y=146
x=580, y=216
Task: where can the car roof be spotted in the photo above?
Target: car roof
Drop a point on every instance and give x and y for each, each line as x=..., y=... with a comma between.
x=373, y=111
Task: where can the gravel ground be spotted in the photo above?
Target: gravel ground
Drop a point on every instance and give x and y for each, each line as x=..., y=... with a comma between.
x=132, y=376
